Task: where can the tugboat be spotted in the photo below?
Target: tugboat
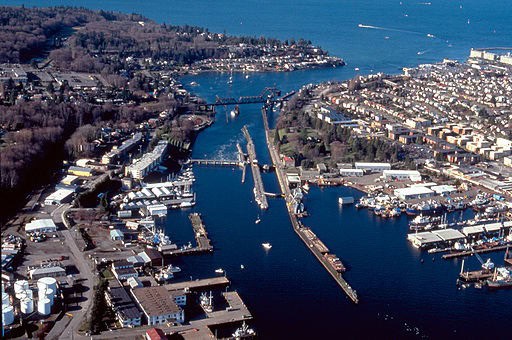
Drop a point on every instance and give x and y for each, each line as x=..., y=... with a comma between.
x=206, y=302
x=244, y=332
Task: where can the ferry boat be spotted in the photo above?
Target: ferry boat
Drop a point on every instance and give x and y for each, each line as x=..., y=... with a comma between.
x=206, y=302
x=266, y=245
x=244, y=332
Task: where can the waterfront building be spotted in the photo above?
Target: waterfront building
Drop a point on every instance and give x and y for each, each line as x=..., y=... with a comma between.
x=413, y=193
x=143, y=166
x=119, y=152
x=411, y=175
x=158, y=305
x=42, y=226
x=372, y=167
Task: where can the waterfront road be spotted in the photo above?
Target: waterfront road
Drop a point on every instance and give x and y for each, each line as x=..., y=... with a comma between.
x=87, y=277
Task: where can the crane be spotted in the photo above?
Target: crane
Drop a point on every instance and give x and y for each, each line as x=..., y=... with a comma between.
x=487, y=265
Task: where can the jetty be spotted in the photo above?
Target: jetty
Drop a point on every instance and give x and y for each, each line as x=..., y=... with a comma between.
x=259, y=190
x=312, y=242
x=198, y=285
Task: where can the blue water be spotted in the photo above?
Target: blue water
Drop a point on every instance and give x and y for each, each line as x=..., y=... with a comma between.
x=286, y=289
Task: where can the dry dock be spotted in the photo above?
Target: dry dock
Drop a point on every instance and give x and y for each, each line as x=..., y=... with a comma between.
x=259, y=191
x=316, y=246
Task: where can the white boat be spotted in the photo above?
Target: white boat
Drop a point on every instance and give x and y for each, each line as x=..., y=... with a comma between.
x=244, y=332
x=242, y=266
x=206, y=302
x=266, y=245
x=430, y=35
x=258, y=220
x=219, y=271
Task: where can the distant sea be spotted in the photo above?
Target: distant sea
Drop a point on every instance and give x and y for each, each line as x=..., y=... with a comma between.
x=290, y=295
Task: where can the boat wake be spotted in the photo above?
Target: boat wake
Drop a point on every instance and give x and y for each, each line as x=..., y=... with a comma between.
x=391, y=29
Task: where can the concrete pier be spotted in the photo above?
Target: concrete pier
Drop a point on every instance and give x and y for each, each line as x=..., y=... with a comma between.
x=316, y=246
x=259, y=191
x=202, y=240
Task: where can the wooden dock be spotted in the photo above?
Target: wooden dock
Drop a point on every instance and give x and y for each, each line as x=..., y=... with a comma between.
x=307, y=235
x=470, y=252
x=475, y=276
x=259, y=190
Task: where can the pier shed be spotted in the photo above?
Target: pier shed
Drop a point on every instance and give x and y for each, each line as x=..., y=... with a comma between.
x=493, y=228
x=473, y=231
x=449, y=235
x=424, y=239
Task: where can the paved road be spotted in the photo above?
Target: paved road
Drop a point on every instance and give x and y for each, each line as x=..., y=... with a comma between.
x=86, y=273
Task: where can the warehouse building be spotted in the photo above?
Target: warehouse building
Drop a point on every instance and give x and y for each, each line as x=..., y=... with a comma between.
x=55, y=271
x=402, y=175
x=80, y=171
x=413, y=193
x=41, y=226
x=59, y=197
x=351, y=172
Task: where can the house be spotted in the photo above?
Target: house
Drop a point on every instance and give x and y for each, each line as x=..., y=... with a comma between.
x=123, y=270
x=158, y=305
x=42, y=226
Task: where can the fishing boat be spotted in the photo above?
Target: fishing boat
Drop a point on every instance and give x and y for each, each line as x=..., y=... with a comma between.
x=502, y=278
x=266, y=245
x=206, y=302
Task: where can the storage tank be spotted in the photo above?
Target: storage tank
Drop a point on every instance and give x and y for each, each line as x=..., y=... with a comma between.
x=43, y=306
x=6, y=301
x=27, y=305
x=7, y=315
x=47, y=282
x=49, y=294
x=20, y=285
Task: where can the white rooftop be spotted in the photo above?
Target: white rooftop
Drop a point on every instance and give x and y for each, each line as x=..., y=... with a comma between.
x=425, y=237
x=449, y=234
x=477, y=229
x=40, y=224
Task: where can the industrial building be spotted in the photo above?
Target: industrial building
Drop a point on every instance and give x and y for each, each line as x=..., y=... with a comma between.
x=444, y=189
x=116, y=235
x=53, y=271
x=60, y=196
x=158, y=305
x=372, y=167
x=70, y=180
x=143, y=166
x=42, y=226
x=401, y=175
x=413, y=193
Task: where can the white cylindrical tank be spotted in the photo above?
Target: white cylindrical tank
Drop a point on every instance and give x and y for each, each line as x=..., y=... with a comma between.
x=43, y=306
x=7, y=315
x=20, y=285
x=47, y=282
x=6, y=301
x=27, y=305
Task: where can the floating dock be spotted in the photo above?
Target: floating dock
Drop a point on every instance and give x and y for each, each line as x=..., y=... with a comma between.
x=315, y=245
x=259, y=191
